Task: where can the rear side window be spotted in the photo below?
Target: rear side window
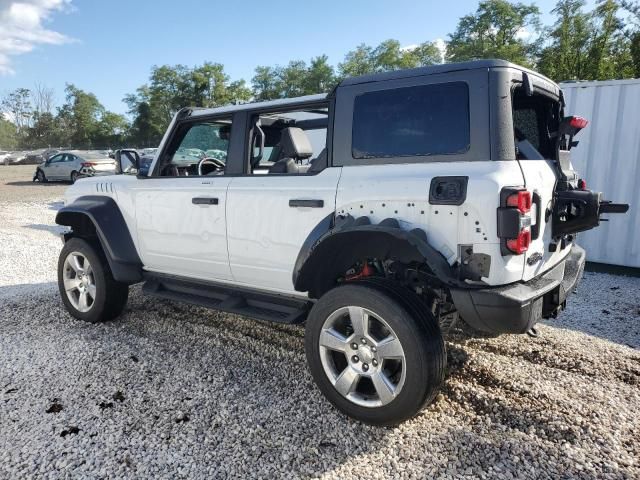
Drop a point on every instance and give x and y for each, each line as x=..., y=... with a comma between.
x=412, y=121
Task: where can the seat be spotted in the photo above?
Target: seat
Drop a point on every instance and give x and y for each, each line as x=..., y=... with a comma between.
x=319, y=163
x=295, y=147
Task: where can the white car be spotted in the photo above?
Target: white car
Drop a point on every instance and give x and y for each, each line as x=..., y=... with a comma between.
x=429, y=199
x=74, y=164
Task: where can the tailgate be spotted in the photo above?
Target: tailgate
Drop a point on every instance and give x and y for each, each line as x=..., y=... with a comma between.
x=540, y=180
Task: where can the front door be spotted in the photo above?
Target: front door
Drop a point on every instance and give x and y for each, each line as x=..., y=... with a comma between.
x=181, y=208
x=53, y=167
x=181, y=226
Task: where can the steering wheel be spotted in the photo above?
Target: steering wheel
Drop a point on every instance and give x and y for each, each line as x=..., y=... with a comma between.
x=218, y=165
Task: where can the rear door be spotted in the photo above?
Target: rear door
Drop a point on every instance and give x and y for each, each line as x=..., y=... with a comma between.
x=269, y=214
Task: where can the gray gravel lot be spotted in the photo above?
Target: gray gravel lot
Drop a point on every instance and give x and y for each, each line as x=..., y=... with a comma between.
x=173, y=391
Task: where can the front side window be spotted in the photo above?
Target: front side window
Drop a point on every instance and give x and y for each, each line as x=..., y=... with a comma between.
x=201, y=149
x=424, y=120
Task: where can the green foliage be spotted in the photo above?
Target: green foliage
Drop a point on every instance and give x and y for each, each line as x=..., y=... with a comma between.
x=498, y=29
x=566, y=57
x=388, y=56
x=587, y=46
x=294, y=80
x=171, y=88
x=8, y=135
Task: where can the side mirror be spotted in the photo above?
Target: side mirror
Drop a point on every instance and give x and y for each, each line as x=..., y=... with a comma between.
x=127, y=161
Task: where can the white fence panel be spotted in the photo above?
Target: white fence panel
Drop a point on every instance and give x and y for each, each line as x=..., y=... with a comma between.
x=608, y=158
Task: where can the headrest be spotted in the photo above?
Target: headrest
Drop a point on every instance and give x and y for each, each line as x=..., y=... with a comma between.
x=295, y=143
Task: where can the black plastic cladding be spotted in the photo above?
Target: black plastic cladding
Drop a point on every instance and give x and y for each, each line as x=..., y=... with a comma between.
x=111, y=230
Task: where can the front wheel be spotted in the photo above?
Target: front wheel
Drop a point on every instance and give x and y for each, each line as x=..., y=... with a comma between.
x=374, y=353
x=87, y=287
x=41, y=176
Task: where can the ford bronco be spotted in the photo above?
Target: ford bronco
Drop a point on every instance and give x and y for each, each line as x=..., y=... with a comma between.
x=384, y=214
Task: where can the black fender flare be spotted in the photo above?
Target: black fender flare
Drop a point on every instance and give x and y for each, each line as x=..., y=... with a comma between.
x=100, y=215
x=331, y=247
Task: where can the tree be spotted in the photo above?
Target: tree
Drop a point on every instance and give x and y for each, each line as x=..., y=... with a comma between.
x=17, y=105
x=632, y=32
x=498, y=29
x=566, y=56
x=388, y=56
x=320, y=77
x=110, y=130
x=8, y=135
x=293, y=80
x=609, y=55
x=171, y=88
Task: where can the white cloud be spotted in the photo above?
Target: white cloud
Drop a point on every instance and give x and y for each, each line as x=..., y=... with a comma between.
x=22, y=29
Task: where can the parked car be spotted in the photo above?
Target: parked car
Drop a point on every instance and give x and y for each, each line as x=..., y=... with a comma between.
x=73, y=164
x=16, y=158
x=3, y=157
x=148, y=151
x=38, y=156
x=443, y=197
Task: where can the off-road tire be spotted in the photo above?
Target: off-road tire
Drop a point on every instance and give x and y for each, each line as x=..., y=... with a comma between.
x=416, y=329
x=111, y=295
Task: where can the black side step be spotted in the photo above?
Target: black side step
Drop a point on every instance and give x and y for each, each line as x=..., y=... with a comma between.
x=250, y=303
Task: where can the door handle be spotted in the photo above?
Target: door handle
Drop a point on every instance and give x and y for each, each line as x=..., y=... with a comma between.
x=204, y=201
x=306, y=203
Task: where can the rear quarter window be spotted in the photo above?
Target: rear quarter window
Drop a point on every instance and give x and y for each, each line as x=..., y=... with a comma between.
x=423, y=120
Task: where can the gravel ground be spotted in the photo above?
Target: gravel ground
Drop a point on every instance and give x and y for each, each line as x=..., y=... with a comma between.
x=173, y=391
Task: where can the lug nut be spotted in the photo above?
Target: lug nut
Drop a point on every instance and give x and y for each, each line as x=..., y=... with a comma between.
x=374, y=349
x=354, y=345
x=355, y=359
x=365, y=367
x=374, y=362
x=364, y=341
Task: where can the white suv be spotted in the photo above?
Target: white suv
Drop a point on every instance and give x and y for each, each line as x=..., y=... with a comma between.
x=384, y=214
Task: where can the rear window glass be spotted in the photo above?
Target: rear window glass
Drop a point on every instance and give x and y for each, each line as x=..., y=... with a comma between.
x=412, y=121
x=525, y=120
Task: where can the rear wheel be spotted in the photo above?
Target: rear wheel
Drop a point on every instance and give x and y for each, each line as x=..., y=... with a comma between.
x=41, y=176
x=88, y=290
x=374, y=353
x=74, y=176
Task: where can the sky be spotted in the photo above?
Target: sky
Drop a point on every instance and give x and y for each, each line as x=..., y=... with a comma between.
x=108, y=47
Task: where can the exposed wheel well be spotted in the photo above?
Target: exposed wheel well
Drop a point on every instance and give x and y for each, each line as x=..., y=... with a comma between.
x=357, y=240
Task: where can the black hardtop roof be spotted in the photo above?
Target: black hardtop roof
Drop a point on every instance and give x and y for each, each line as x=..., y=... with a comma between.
x=435, y=69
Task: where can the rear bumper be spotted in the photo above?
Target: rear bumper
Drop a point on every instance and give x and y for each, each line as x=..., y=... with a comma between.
x=518, y=307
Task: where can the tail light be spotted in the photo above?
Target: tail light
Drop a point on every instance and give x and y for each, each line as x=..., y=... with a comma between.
x=514, y=221
x=88, y=164
x=578, y=122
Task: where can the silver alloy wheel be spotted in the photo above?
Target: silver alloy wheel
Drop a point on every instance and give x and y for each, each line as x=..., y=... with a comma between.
x=79, y=281
x=74, y=176
x=362, y=356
